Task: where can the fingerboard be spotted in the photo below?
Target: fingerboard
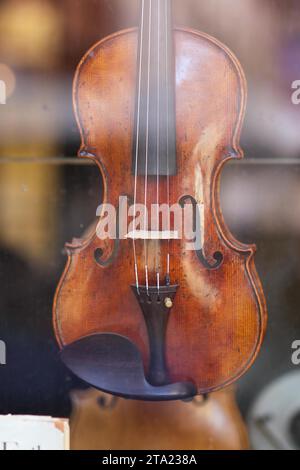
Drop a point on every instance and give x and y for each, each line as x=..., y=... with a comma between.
x=154, y=141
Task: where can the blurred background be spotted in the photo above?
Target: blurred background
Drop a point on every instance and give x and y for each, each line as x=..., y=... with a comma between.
x=47, y=196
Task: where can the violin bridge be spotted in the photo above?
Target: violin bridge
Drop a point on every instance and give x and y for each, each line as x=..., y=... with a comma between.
x=153, y=235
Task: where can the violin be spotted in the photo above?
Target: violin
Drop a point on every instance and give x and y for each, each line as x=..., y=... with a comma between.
x=144, y=309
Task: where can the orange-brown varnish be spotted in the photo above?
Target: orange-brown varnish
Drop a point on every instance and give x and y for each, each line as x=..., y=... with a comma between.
x=218, y=320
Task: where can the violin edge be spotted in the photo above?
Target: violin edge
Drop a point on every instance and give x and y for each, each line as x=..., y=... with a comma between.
x=223, y=230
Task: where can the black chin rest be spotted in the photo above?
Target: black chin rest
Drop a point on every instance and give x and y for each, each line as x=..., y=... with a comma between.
x=112, y=363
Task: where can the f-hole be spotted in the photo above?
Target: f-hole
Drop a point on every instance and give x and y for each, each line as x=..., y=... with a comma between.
x=217, y=255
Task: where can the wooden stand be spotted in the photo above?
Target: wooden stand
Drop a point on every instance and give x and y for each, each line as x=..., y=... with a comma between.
x=101, y=422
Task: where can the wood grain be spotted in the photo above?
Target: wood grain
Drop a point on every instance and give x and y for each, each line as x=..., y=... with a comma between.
x=218, y=321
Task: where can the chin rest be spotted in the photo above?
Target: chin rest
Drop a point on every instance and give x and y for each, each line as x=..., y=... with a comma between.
x=112, y=363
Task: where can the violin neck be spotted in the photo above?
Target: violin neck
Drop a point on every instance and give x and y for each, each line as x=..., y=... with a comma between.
x=155, y=139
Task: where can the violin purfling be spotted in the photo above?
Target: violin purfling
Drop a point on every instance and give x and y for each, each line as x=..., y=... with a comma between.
x=160, y=111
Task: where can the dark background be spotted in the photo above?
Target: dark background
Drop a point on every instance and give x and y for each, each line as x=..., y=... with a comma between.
x=47, y=197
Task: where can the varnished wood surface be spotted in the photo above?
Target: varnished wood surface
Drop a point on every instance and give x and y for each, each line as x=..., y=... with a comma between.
x=219, y=317
x=130, y=425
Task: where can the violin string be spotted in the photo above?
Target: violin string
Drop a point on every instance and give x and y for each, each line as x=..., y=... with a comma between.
x=167, y=135
x=147, y=150
x=137, y=142
x=158, y=143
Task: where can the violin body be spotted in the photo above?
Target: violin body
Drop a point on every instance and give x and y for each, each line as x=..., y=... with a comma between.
x=217, y=322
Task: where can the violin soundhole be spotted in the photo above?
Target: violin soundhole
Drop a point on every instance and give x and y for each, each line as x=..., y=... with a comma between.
x=99, y=255
x=217, y=256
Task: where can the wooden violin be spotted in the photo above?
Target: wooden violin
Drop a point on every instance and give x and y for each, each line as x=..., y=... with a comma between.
x=141, y=314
